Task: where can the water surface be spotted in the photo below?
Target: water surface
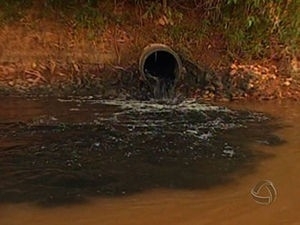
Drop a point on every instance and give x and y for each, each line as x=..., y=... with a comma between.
x=115, y=162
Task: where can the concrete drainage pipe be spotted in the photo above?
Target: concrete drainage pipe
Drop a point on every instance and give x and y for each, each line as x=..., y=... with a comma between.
x=161, y=68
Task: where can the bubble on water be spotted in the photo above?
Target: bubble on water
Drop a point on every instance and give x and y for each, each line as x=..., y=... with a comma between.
x=228, y=150
x=191, y=131
x=74, y=109
x=205, y=136
x=97, y=144
x=149, y=106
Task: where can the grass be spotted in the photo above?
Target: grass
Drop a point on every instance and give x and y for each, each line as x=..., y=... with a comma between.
x=250, y=28
x=12, y=10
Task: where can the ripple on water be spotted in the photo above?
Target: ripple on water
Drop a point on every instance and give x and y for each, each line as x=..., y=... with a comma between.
x=116, y=147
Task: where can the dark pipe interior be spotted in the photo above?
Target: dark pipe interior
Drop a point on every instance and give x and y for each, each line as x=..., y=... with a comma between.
x=161, y=64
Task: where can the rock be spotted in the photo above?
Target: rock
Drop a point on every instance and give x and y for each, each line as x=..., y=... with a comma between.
x=287, y=83
x=11, y=83
x=233, y=72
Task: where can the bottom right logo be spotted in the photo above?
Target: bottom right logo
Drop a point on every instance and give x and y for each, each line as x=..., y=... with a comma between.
x=264, y=192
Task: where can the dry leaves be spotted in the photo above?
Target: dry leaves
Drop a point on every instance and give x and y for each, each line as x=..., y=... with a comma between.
x=263, y=82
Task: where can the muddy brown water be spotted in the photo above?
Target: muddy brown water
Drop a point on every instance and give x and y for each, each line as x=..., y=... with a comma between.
x=93, y=161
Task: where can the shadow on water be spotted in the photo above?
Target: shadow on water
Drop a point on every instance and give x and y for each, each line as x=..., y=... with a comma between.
x=59, y=152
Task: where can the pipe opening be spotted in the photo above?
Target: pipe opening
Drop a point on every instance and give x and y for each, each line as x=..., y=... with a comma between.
x=160, y=66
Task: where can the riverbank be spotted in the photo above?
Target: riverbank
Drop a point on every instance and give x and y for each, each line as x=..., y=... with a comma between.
x=56, y=53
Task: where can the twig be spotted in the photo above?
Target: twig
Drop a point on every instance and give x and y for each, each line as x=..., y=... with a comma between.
x=36, y=74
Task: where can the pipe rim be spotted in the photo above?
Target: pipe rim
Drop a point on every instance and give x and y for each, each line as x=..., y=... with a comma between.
x=150, y=49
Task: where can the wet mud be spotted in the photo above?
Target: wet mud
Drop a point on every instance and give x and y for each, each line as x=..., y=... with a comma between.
x=62, y=151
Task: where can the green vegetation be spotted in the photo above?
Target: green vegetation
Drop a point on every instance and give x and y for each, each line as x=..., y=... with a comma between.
x=255, y=26
x=250, y=28
x=12, y=10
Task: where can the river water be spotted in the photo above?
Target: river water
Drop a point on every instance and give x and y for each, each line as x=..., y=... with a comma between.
x=93, y=161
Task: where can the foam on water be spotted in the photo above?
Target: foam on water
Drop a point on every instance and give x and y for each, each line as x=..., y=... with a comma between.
x=155, y=105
